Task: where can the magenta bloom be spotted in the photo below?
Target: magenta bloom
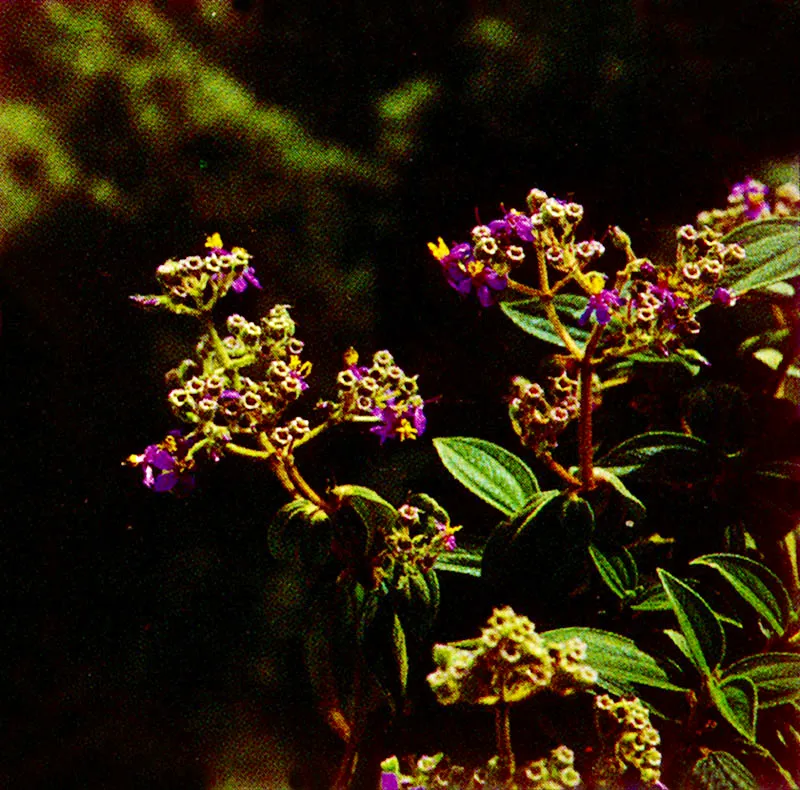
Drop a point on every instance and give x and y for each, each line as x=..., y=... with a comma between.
x=408, y=423
x=601, y=304
x=247, y=277
x=450, y=540
x=754, y=194
x=724, y=297
x=513, y=227
x=467, y=275
x=166, y=467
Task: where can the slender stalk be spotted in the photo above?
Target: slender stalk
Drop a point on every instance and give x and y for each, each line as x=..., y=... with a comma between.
x=524, y=289
x=586, y=449
x=552, y=315
x=323, y=426
x=247, y=452
x=555, y=466
x=302, y=486
x=766, y=754
x=502, y=728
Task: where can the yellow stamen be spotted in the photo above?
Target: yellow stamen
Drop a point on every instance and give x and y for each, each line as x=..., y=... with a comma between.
x=350, y=357
x=214, y=241
x=594, y=282
x=405, y=430
x=439, y=250
x=303, y=368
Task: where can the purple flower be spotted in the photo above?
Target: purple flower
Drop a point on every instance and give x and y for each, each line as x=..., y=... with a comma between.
x=601, y=305
x=670, y=301
x=450, y=539
x=724, y=297
x=753, y=193
x=247, y=277
x=514, y=226
x=166, y=467
x=466, y=275
x=398, y=423
x=389, y=781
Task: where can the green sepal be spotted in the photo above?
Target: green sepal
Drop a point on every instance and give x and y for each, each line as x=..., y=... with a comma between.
x=491, y=472
x=776, y=676
x=721, y=771
x=619, y=663
x=736, y=698
x=756, y=584
x=529, y=315
x=703, y=632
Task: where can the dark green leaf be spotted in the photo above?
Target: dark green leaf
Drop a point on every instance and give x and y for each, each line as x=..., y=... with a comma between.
x=489, y=471
x=677, y=448
x=705, y=638
x=614, y=570
x=773, y=254
x=400, y=652
x=299, y=534
x=460, y=560
x=721, y=771
x=375, y=512
x=636, y=508
x=688, y=358
x=620, y=664
x=679, y=640
x=757, y=584
x=775, y=675
x=529, y=315
x=652, y=599
x=736, y=699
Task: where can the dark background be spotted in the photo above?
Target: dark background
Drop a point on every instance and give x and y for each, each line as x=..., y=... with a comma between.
x=150, y=641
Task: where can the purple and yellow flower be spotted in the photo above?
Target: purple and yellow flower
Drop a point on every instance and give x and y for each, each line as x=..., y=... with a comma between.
x=466, y=274
x=601, y=304
x=724, y=297
x=403, y=422
x=166, y=465
x=247, y=277
x=449, y=535
x=514, y=226
x=754, y=196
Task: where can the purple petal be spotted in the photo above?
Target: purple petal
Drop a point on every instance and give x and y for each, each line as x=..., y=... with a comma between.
x=165, y=482
x=162, y=460
x=389, y=782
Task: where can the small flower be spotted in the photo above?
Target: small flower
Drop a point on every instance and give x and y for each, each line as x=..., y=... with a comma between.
x=449, y=535
x=601, y=305
x=408, y=423
x=724, y=297
x=166, y=467
x=247, y=277
x=753, y=194
x=466, y=275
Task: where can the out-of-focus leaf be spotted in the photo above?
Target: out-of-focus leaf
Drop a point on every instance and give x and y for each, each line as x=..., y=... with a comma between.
x=491, y=472
x=769, y=339
x=400, y=652
x=757, y=584
x=736, y=699
x=703, y=632
x=636, y=508
x=460, y=560
x=529, y=315
x=620, y=664
x=299, y=533
x=773, y=254
x=776, y=676
x=721, y=771
x=634, y=453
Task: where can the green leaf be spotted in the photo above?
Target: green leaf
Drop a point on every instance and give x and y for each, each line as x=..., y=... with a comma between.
x=400, y=652
x=757, y=584
x=620, y=664
x=773, y=254
x=652, y=599
x=489, y=471
x=633, y=453
x=529, y=315
x=679, y=640
x=299, y=534
x=736, y=699
x=705, y=638
x=688, y=358
x=461, y=560
x=615, y=570
x=721, y=771
x=373, y=510
x=636, y=508
x=776, y=676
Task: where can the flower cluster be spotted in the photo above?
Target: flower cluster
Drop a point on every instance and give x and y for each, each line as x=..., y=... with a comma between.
x=540, y=414
x=381, y=394
x=509, y=662
x=750, y=200
x=630, y=743
x=420, y=534
x=555, y=772
x=193, y=285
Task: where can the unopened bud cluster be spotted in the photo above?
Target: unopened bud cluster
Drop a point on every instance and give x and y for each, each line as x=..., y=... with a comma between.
x=194, y=284
x=630, y=743
x=421, y=533
x=381, y=393
x=219, y=400
x=556, y=772
x=750, y=200
x=540, y=414
x=508, y=663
